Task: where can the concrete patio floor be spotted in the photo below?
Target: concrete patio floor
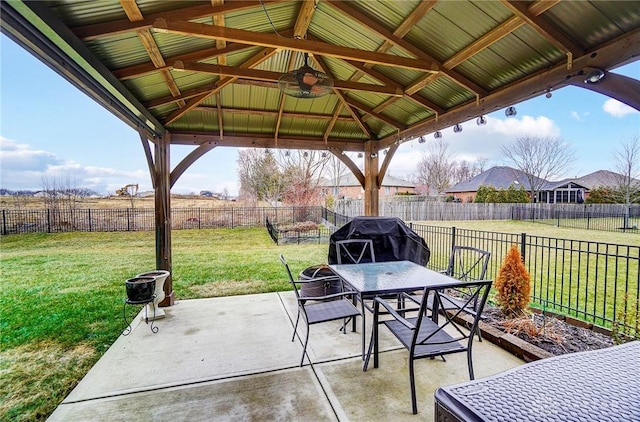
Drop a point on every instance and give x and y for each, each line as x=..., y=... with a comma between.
x=232, y=358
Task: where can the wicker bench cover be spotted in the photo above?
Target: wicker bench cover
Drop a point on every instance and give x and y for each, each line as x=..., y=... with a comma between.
x=598, y=385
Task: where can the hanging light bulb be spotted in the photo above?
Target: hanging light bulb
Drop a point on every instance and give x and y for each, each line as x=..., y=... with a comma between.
x=324, y=154
x=422, y=140
x=287, y=153
x=457, y=128
x=481, y=121
x=305, y=154
x=548, y=94
x=510, y=111
x=437, y=134
x=360, y=155
x=267, y=151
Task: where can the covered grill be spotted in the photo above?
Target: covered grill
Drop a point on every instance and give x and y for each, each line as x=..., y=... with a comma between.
x=392, y=239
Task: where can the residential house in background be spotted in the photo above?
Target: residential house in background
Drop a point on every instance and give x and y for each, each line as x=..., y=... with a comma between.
x=501, y=177
x=349, y=187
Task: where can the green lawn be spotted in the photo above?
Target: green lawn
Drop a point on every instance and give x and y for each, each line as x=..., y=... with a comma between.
x=62, y=294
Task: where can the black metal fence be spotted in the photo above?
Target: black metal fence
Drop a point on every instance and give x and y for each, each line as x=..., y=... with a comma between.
x=591, y=281
x=134, y=219
x=585, y=218
x=300, y=232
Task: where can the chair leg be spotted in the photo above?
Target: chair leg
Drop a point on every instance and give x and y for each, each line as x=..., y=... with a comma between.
x=304, y=348
x=295, y=327
x=470, y=364
x=414, y=404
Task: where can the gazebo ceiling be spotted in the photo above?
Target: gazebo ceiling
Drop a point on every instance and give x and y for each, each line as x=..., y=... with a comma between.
x=207, y=71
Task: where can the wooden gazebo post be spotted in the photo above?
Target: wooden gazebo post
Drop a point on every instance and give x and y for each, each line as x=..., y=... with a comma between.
x=162, y=169
x=371, y=186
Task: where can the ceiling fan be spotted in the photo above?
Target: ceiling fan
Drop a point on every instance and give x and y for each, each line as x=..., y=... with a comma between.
x=305, y=82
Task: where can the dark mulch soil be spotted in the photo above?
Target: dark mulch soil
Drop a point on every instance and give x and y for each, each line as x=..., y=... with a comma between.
x=558, y=337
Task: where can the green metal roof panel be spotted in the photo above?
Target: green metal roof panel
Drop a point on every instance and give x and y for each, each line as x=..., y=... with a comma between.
x=446, y=93
x=389, y=13
x=330, y=25
x=600, y=20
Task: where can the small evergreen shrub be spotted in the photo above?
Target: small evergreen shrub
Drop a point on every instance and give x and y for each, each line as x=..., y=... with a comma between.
x=513, y=284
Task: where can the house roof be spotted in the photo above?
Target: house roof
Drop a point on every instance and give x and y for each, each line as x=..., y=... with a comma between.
x=562, y=184
x=350, y=180
x=500, y=177
x=598, y=178
x=207, y=71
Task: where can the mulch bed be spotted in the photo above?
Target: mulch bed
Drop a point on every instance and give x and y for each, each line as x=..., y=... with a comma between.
x=553, y=335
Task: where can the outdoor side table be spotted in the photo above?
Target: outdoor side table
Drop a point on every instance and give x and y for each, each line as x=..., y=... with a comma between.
x=598, y=385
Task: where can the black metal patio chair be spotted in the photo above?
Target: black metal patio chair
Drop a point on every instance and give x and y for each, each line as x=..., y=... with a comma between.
x=422, y=336
x=465, y=263
x=318, y=309
x=355, y=251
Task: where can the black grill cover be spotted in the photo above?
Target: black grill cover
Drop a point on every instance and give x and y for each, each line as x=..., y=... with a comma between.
x=392, y=239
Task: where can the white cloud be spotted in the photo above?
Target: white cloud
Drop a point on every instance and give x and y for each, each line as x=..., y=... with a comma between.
x=617, y=109
x=26, y=168
x=475, y=142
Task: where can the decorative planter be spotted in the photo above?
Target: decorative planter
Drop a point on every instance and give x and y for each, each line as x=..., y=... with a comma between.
x=153, y=311
x=140, y=289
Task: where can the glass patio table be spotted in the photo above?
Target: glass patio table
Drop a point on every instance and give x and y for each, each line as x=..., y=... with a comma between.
x=387, y=278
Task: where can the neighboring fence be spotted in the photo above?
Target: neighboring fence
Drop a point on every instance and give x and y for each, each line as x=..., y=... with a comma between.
x=592, y=281
x=134, y=219
x=609, y=217
x=616, y=218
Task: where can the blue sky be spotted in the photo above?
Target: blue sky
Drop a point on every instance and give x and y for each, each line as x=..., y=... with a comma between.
x=64, y=134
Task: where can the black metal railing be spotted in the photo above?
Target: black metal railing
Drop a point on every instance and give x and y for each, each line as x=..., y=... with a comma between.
x=591, y=281
x=585, y=218
x=134, y=219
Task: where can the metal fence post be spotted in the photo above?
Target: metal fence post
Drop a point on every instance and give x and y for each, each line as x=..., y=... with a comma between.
x=523, y=245
x=453, y=237
x=48, y=220
x=4, y=222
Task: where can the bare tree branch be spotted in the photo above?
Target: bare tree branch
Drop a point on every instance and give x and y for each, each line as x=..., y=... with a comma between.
x=541, y=159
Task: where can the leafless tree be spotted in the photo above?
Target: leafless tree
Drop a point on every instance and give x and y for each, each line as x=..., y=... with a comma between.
x=625, y=184
x=302, y=171
x=435, y=167
x=336, y=170
x=541, y=159
x=463, y=170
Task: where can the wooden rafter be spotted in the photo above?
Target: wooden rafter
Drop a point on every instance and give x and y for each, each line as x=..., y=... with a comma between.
x=219, y=20
x=265, y=75
x=548, y=31
x=375, y=26
x=270, y=113
x=370, y=112
x=151, y=47
x=219, y=109
x=275, y=41
x=323, y=66
x=193, y=102
x=93, y=31
x=496, y=34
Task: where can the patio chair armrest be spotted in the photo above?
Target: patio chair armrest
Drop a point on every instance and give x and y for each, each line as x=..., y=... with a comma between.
x=318, y=279
x=327, y=297
x=395, y=314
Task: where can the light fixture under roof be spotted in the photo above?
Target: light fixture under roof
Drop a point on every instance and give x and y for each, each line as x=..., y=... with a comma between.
x=594, y=76
x=510, y=111
x=422, y=140
x=305, y=82
x=437, y=134
x=457, y=128
x=481, y=120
